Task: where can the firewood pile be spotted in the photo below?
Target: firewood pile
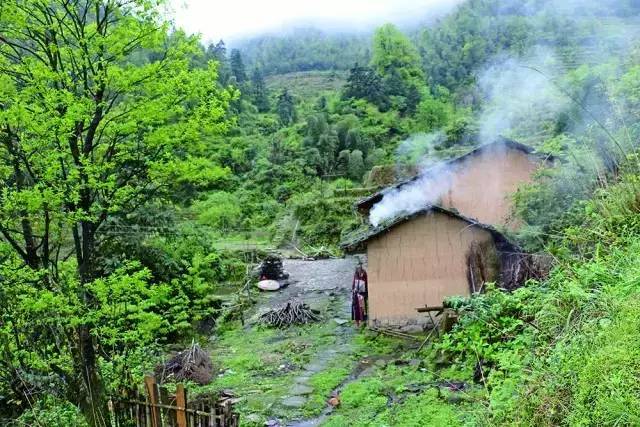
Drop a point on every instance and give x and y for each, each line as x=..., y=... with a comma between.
x=518, y=267
x=271, y=269
x=191, y=364
x=292, y=313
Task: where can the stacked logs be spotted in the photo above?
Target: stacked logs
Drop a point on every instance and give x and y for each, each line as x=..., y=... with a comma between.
x=292, y=313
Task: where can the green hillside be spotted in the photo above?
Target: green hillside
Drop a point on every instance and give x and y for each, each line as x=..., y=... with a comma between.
x=307, y=84
x=145, y=174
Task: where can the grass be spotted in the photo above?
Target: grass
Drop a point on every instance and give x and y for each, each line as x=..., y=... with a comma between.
x=562, y=352
x=395, y=395
x=323, y=384
x=260, y=365
x=307, y=84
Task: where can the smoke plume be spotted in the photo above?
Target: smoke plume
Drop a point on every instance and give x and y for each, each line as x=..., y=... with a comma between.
x=519, y=95
x=413, y=196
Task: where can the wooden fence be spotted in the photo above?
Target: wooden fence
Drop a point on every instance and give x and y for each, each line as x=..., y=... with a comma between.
x=158, y=408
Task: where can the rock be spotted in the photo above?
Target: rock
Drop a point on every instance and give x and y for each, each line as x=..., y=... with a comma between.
x=334, y=401
x=294, y=401
x=269, y=285
x=272, y=423
x=302, y=380
x=368, y=371
x=254, y=418
x=380, y=363
x=301, y=390
x=315, y=367
x=340, y=322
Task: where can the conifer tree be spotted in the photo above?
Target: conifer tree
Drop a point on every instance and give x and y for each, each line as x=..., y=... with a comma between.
x=218, y=53
x=237, y=66
x=260, y=94
x=365, y=83
x=286, y=108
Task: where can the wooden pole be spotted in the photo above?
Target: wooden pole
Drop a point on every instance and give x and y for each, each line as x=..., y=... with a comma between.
x=181, y=403
x=152, y=392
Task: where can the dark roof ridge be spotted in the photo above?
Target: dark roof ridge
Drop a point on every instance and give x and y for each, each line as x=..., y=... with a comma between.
x=380, y=229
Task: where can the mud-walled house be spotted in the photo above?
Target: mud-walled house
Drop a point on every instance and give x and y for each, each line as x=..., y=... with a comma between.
x=449, y=247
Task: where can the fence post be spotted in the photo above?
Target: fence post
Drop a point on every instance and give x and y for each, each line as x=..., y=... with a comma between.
x=152, y=392
x=181, y=403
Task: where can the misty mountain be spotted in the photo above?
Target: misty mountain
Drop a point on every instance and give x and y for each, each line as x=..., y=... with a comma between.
x=305, y=49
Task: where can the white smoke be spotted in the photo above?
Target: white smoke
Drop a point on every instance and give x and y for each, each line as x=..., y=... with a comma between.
x=520, y=96
x=418, y=151
x=413, y=196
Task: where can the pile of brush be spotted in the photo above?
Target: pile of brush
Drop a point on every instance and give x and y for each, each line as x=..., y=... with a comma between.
x=192, y=364
x=292, y=313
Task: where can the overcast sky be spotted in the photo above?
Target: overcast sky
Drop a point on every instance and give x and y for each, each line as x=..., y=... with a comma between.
x=233, y=19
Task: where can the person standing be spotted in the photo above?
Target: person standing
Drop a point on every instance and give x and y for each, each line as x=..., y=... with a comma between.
x=359, y=295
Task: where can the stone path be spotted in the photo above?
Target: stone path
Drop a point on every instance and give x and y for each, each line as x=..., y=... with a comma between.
x=324, y=285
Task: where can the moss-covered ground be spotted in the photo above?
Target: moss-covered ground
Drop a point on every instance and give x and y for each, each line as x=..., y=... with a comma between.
x=377, y=380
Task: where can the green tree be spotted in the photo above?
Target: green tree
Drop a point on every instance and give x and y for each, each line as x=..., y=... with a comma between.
x=286, y=108
x=305, y=49
x=342, y=165
x=260, y=95
x=356, y=165
x=220, y=210
x=99, y=110
x=218, y=52
x=394, y=52
x=237, y=66
x=365, y=83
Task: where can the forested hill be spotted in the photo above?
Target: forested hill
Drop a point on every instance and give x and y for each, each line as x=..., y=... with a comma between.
x=306, y=49
x=142, y=171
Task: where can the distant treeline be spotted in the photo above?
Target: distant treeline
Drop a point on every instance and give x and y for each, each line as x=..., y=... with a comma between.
x=305, y=49
x=451, y=49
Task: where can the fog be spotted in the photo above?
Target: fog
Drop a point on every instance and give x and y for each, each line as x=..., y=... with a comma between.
x=240, y=19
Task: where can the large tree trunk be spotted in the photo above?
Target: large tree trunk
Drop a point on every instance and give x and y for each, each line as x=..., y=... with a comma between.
x=92, y=399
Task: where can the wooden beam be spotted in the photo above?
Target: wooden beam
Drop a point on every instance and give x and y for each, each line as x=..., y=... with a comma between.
x=152, y=392
x=427, y=309
x=181, y=403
